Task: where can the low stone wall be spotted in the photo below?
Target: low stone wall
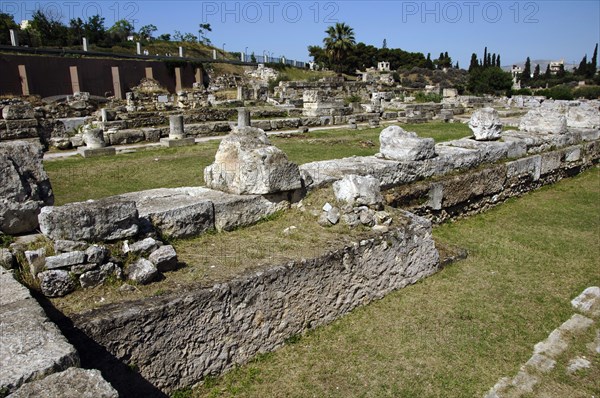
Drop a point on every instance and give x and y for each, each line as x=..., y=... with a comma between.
x=474, y=191
x=178, y=339
x=451, y=157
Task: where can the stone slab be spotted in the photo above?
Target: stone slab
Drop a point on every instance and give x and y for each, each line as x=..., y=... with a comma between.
x=171, y=143
x=96, y=152
x=31, y=346
x=72, y=383
x=175, y=212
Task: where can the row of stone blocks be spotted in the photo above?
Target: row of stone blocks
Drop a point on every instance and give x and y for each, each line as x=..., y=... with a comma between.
x=452, y=156
x=37, y=360
x=191, y=211
x=172, y=212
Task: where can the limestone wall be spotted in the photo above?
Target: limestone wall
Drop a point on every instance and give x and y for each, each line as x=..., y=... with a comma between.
x=176, y=340
x=474, y=191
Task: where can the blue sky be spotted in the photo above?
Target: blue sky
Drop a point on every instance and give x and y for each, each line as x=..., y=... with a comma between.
x=515, y=29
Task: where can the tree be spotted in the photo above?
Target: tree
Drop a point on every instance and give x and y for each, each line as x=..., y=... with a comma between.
x=444, y=61
x=146, y=32
x=6, y=23
x=428, y=62
x=164, y=37
x=121, y=30
x=494, y=60
x=485, y=57
x=203, y=29
x=561, y=71
x=498, y=61
x=536, y=72
x=456, y=66
x=185, y=37
x=47, y=30
x=526, y=74
x=384, y=45
x=594, y=63
x=474, y=63
x=339, y=41
x=548, y=73
x=95, y=31
x=583, y=66
x=491, y=80
x=76, y=31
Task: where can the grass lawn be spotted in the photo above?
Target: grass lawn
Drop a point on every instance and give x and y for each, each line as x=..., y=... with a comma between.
x=456, y=333
x=78, y=179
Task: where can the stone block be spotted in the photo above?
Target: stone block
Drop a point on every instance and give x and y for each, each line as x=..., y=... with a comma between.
x=246, y=163
x=550, y=162
x=107, y=219
x=397, y=144
x=142, y=272
x=174, y=143
x=72, y=383
x=31, y=347
x=65, y=260
x=358, y=190
x=25, y=186
x=96, y=152
x=17, y=112
x=530, y=166
x=164, y=258
x=177, y=212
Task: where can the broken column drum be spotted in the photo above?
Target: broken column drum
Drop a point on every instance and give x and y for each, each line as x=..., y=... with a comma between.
x=176, y=130
x=94, y=138
x=243, y=118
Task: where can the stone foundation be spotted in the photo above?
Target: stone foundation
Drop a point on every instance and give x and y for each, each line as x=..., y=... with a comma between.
x=179, y=339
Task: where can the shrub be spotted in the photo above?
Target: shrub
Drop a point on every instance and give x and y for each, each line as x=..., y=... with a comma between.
x=431, y=97
x=558, y=93
x=587, y=92
x=352, y=99
x=522, y=91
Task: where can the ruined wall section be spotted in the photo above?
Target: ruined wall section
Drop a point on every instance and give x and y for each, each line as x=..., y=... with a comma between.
x=177, y=340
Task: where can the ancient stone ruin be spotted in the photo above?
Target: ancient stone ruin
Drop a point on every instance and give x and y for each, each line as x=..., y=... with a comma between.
x=247, y=164
x=25, y=187
x=393, y=198
x=485, y=124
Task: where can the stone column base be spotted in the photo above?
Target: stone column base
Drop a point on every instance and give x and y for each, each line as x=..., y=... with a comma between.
x=95, y=152
x=171, y=143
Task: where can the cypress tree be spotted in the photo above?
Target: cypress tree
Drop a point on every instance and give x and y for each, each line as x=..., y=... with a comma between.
x=526, y=74
x=548, y=74
x=428, y=62
x=536, y=72
x=485, y=57
x=494, y=59
x=594, y=63
x=474, y=64
x=498, y=61
x=582, y=69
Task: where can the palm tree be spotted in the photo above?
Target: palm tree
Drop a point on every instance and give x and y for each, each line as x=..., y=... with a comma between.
x=339, y=41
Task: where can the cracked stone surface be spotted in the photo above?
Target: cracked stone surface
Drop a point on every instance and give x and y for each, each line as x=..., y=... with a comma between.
x=31, y=346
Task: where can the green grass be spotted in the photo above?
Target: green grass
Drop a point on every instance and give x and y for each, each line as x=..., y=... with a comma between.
x=77, y=179
x=456, y=333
